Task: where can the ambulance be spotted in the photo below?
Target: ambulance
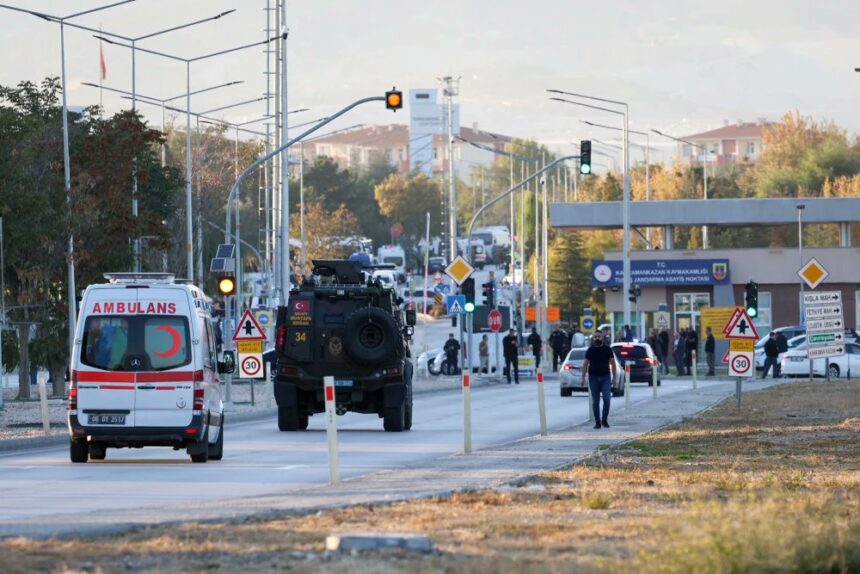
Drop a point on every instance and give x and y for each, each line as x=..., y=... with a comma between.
x=145, y=369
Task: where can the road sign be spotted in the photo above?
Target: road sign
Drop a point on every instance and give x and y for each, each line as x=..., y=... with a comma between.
x=661, y=319
x=731, y=320
x=741, y=327
x=821, y=297
x=823, y=312
x=587, y=325
x=714, y=317
x=437, y=299
x=249, y=329
x=825, y=326
x=725, y=358
x=742, y=345
x=825, y=338
x=740, y=364
x=264, y=318
x=251, y=366
x=442, y=288
x=459, y=270
x=249, y=347
x=816, y=352
x=813, y=273
x=456, y=304
x=494, y=319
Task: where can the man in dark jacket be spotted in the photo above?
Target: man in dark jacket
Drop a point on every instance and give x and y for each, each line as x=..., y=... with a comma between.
x=667, y=350
x=452, y=350
x=535, y=342
x=710, y=349
x=782, y=347
x=771, y=356
x=511, y=352
x=557, y=340
x=692, y=345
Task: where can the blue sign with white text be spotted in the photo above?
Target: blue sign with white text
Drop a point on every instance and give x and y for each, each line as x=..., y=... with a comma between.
x=662, y=272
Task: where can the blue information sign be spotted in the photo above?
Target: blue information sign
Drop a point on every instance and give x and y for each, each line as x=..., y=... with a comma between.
x=662, y=272
x=456, y=304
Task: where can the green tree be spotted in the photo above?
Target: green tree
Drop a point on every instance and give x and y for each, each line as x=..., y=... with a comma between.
x=407, y=200
x=569, y=274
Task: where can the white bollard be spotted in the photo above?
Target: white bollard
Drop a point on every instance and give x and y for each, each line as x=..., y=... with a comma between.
x=626, y=386
x=42, y=380
x=467, y=413
x=654, y=381
x=541, y=403
x=693, y=363
x=331, y=430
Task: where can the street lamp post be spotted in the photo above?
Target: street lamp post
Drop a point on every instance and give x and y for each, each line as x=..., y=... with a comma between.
x=801, y=317
x=625, y=208
x=704, y=176
x=189, y=232
x=67, y=170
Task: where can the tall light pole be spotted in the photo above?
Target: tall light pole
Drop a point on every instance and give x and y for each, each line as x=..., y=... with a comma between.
x=451, y=89
x=704, y=176
x=67, y=170
x=285, y=160
x=189, y=232
x=625, y=207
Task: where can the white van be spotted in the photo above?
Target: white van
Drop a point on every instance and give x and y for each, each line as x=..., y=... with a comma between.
x=145, y=369
x=394, y=255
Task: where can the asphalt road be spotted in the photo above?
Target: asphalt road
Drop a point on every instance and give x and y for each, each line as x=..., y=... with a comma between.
x=37, y=486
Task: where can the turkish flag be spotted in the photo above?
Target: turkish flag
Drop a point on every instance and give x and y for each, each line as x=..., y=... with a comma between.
x=102, y=66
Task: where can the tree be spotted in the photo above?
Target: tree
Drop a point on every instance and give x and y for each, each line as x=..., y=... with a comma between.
x=407, y=200
x=324, y=231
x=569, y=274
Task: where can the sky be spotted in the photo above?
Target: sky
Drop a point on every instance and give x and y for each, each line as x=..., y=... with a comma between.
x=682, y=66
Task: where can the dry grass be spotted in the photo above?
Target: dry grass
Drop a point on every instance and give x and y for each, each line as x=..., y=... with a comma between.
x=774, y=487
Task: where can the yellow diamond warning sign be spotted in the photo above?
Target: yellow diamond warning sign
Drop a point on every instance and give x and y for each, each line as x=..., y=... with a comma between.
x=459, y=270
x=813, y=273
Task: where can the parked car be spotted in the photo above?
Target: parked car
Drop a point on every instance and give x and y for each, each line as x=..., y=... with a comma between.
x=436, y=265
x=570, y=374
x=427, y=360
x=795, y=363
x=642, y=360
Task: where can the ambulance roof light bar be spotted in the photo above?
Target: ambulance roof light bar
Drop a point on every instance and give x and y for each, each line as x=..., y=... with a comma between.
x=123, y=278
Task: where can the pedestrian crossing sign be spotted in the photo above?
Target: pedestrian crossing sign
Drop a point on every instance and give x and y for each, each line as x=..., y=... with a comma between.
x=456, y=304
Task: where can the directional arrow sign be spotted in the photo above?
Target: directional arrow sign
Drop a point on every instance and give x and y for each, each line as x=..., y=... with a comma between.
x=825, y=339
x=824, y=325
x=821, y=298
x=826, y=351
x=823, y=312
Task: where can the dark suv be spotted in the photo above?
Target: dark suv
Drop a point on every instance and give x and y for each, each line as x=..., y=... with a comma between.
x=340, y=323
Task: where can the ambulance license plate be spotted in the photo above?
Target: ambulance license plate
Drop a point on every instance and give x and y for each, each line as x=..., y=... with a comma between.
x=107, y=419
x=342, y=383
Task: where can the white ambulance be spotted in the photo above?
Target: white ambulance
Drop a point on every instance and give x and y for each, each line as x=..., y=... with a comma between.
x=145, y=369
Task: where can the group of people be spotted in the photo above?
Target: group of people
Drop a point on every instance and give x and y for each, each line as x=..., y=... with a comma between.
x=682, y=347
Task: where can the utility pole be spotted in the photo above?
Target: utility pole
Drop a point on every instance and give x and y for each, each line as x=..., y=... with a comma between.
x=285, y=164
x=452, y=88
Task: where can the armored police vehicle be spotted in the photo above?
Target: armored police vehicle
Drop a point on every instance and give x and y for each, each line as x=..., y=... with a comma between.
x=342, y=322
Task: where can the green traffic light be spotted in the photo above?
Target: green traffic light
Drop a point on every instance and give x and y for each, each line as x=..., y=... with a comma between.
x=752, y=311
x=470, y=307
x=585, y=168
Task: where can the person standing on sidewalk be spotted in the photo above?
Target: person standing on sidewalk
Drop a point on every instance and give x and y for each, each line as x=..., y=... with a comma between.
x=557, y=341
x=511, y=351
x=452, y=350
x=536, y=343
x=599, y=364
x=667, y=350
x=710, y=349
x=484, y=354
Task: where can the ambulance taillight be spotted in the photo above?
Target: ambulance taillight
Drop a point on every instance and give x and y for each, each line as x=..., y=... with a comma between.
x=73, y=398
x=198, y=399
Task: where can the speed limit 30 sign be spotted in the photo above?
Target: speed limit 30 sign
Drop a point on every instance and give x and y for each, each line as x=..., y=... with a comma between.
x=741, y=364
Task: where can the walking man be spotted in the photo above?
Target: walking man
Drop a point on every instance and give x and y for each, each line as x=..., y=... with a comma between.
x=782, y=347
x=557, y=341
x=710, y=345
x=667, y=350
x=600, y=365
x=771, y=356
x=679, y=346
x=484, y=354
x=536, y=343
x=511, y=352
x=452, y=350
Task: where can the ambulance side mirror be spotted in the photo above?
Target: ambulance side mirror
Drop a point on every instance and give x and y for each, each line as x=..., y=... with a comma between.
x=228, y=363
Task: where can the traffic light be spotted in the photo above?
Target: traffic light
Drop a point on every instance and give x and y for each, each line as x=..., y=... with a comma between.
x=751, y=297
x=634, y=293
x=394, y=99
x=585, y=157
x=468, y=289
x=226, y=285
x=470, y=307
x=489, y=294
